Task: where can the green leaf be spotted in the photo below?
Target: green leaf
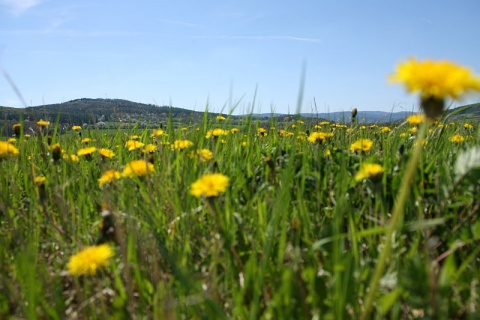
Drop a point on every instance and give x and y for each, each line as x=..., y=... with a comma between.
x=386, y=302
x=468, y=165
x=476, y=230
x=449, y=269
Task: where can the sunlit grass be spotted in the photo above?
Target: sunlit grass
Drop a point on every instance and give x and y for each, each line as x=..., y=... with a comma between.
x=294, y=232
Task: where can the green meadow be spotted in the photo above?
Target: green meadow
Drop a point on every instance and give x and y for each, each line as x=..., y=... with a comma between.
x=318, y=220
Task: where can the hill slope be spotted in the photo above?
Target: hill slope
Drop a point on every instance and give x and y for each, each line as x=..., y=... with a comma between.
x=91, y=111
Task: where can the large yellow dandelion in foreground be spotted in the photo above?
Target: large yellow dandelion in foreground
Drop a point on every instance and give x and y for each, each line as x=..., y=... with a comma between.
x=209, y=185
x=439, y=79
x=138, y=168
x=435, y=81
x=89, y=260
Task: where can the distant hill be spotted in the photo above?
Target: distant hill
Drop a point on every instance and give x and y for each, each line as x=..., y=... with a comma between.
x=92, y=111
x=363, y=116
x=470, y=109
x=344, y=116
x=124, y=113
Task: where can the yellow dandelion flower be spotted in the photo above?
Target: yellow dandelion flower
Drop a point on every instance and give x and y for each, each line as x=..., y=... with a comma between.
x=7, y=150
x=134, y=137
x=43, y=123
x=370, y=171
x=90, y=260
x=205, y=155
x=220, y=118
x=216, y=133
x=17, y=128
x=157, y=133
x=404, y=134
x=181, y=144
x=76, y=128
x=209, y=185
x=416, y=119
x=108, y=176
x=361, y=145
x=458, y=138
x=86, y=140
x=262, y=132
x=385, y=129
x=324, y=123
x=56, y=152
x=244, y=144
x=301, y=138
x=11, y=140
x=150, y=148
x=39, y=180
x=413, y=130
x=106, y=153
x=86, y=151
x=133, y=145
x=467, y=126
x=319, y=136
x=285, y=133
x=234, y=130
x=138, y=168
x=436, y=79
x=71, y=157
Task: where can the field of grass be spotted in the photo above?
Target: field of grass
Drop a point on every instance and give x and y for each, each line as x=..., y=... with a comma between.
x=307, y=226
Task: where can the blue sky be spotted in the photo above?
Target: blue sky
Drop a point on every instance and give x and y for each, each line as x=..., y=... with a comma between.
x=223, y=53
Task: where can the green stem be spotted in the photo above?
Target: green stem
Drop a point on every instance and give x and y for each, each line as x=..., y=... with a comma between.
x=397, y=215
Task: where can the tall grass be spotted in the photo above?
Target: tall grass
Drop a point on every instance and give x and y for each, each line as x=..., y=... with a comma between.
x=294, y=235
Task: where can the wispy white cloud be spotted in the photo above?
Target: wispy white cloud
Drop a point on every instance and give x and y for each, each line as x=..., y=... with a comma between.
x=19, y=6
x=71, y=32
x=288, y=38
